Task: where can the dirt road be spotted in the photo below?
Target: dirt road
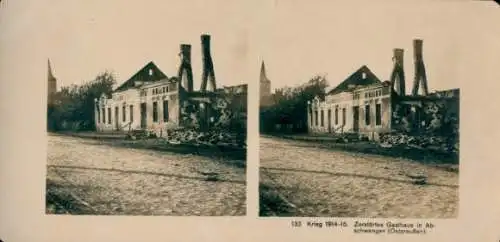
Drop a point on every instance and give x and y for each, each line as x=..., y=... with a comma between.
x=300, y=179
x=87, y=176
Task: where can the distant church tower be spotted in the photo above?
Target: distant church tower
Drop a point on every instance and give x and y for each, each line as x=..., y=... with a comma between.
x=265, y=86
x=51, y=85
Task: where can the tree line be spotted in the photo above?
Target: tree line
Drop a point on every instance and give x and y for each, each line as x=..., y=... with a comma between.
x=73, y=106
x=288, y=112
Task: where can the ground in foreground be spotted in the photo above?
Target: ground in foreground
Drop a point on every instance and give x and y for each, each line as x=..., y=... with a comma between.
x=302, y=179
x=86, y=176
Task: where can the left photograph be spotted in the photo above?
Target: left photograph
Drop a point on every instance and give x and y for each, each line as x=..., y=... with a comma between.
x=148, y=142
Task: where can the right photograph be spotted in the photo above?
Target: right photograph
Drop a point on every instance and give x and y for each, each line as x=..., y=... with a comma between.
x=361, y=121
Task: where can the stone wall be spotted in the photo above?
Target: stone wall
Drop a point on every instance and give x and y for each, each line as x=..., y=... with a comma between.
x=224, y=111
x=430, y=119
x=437, y=116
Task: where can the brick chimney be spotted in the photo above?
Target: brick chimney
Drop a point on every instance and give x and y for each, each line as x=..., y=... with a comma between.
x=208, y=66
x=185, y=73
x=420, y=75
x=398, y=74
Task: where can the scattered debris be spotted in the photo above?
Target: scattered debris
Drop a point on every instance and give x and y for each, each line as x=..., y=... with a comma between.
x=418, y=179
x=209, y=138
x=209, y=173
x=138, y=134
x=213, y=177
x=429, y=142
x=210, y=176
x=420, y=182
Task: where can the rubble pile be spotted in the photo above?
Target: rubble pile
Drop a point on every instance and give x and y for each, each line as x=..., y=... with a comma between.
x=139, y=134
x=419, y=141
x=349, y=137
x=210, y=138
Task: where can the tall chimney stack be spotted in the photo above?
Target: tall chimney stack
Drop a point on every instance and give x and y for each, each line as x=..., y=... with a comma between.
x=398, y=74
x=185, y=73
x=420, y=75
x=208, y=66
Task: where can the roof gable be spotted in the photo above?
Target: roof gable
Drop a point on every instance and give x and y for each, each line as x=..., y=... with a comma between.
x=149, y=73
x=362, y=77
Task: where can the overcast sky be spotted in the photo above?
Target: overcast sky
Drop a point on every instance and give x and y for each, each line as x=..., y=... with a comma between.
x=123, y=36
x=296, y=39
x=300, y=39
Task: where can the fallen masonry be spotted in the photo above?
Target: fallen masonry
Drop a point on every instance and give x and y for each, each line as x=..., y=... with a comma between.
x=198, y=138
x=210, y=138
x=440, y=143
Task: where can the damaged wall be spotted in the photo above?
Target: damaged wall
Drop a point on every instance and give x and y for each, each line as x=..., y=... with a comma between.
x=132, y=99
x=224, y=111
x=346, y=112
x=156, y=94
x=232, y=109
x=378, y=100
x=426, y=122
x=436, y=116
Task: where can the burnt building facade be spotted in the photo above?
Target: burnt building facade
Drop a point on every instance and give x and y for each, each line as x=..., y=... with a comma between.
x=365, y=105
x=360, y=104
x=150, y=100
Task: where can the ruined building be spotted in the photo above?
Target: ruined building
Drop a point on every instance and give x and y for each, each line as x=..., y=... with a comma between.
x=365, y=105
x=150, y=100
x=265, y=87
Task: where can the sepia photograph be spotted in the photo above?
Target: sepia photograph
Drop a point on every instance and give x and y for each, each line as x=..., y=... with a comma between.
x=160, y=126
x=249, y=120
x=360, y=118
